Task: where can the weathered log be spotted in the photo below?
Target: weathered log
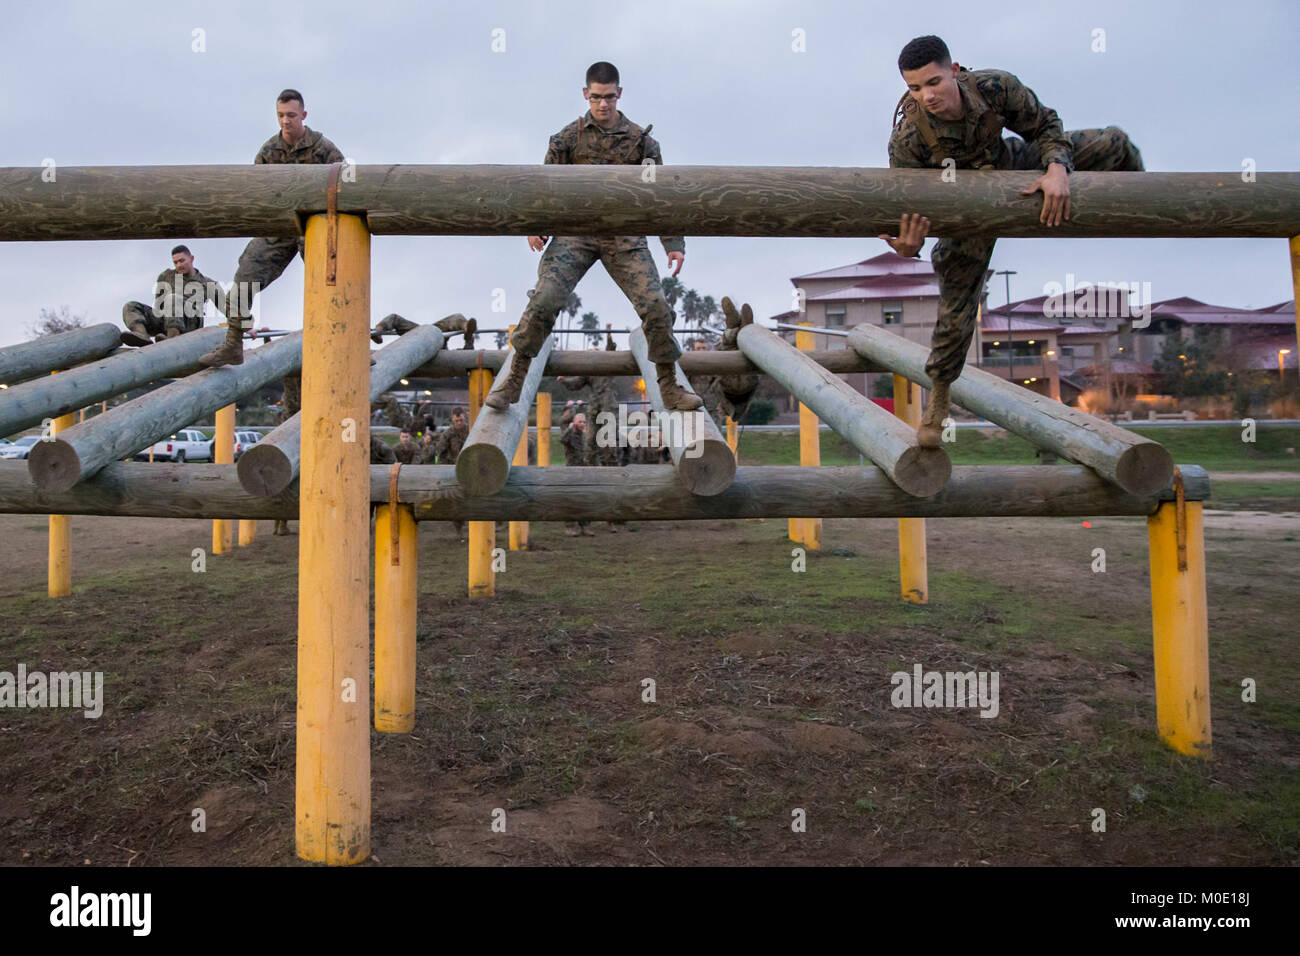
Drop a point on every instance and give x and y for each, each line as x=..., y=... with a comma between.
x=634, y=493
x=83, y=449
x=483, y=464
x=269, y=466
x=61, y=350
x=1136, y=464
x=882, y=437
x=87, y=202
x=53, y=395
x=455, y=363
x=701, y=457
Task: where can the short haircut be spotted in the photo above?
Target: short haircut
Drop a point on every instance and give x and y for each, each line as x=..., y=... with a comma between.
x=458, y=410
x=287, y=95
x=602, y=72
x=922, y=52
x=184, y=249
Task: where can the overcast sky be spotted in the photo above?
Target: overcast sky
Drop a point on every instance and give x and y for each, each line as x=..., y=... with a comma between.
x=1199, y=86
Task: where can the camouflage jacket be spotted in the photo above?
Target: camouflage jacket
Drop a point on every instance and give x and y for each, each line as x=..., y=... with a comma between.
x=196, y=290
x=407, y=452
x=575, y=446
x=599, y=392
x=584, y=143
x=993, y=99
x=448, y=443
x=381, y=453
x=312, y=148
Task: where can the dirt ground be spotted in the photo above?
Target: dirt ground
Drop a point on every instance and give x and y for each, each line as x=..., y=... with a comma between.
x=773, y=695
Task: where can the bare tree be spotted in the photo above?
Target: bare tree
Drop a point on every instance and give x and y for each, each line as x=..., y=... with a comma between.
x=53, y=321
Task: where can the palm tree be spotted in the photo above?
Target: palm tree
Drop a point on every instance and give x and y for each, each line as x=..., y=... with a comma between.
x=672, y=288
x=591, y=328
x=571, y=307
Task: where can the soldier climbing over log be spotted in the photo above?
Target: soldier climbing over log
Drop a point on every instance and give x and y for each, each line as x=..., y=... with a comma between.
x=603, y=136
x=180, y=295
x=953, y=118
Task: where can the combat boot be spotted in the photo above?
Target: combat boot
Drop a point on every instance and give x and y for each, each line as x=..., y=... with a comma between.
x=172, y=333
x=231, y=352
x=505, y=396
x=930, y=433
x=675, y=397
x=136, y=335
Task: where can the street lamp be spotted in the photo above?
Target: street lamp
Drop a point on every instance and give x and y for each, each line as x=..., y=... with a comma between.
x=1281, y=368
x=1011, y=339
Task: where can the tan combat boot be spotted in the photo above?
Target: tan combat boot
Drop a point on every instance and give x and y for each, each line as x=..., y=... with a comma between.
x=136, y=335
x=508, y=393
x=930, y=434
x=231, y=352
x=675, y=397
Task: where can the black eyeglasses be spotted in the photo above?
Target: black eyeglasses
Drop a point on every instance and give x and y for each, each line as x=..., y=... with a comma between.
x=605, y=97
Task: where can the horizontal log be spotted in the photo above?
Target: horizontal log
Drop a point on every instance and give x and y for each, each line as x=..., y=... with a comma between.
x=1136, y=464
x=269, y=466
x=30, y=403
x=62, y=350
x=882, y=437
x=83, y=449
x=455, y=363
x=633, y=493
x=159, y=202
x=704, y=462
x=483, y=464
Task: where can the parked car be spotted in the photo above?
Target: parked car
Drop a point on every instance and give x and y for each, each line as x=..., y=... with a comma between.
x=188, y=444
x=19, y=449
x=243, y=440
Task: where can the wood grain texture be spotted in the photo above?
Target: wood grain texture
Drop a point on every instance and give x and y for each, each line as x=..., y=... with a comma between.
x=155, y=202
x=456, y=363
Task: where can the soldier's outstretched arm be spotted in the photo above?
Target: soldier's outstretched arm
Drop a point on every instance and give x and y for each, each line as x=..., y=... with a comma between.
x=912, y=230
x=674, y=246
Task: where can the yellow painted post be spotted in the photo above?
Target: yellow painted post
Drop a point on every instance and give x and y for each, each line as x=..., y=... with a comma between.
x=519, y=529
x=733, y=436
x=482, y=534
x=60, y=573
x=223, y=454
x=333, y=728
x=543, y=429
x=1295, y=283
x=1180, y=627
x=807, y=531
x=913, y=572
x=395, y=616
x=247, y=531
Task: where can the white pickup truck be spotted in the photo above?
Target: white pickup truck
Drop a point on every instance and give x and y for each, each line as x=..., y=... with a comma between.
x=188, y=444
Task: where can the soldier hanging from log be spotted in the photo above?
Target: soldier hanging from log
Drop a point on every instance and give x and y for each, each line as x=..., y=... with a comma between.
x=727, y=395
x=952, y=118
x=180, y=295
x=603, y=136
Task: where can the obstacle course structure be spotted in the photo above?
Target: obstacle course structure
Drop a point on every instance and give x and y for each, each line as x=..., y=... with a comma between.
x=1114, y=473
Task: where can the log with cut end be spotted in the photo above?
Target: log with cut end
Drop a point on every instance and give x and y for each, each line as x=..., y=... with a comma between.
x=61, y=350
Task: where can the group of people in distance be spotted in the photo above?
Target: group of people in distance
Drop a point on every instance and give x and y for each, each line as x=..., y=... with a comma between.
x=948, y=118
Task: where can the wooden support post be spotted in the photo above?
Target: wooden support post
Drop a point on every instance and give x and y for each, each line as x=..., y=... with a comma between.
x=810, y=450
x=1180, y=626
x=60, y=574
x=543, y=428
x=223, y=438
x=333, y=757
x=733, y=437
x=1295, y=285
x=247, y=531
x=396, y=594
x=482, y=534
x=519, y=529
x=913, y=572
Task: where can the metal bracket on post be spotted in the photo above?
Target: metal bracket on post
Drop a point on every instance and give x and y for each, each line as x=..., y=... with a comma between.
x=1180, y=518
x=332, y=225
x=393, y=518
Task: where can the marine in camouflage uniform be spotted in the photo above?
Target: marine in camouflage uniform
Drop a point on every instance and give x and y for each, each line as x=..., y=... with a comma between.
x=992, y=100
x=381, y=453
x=574, y=442
x=407, y=452
x=601, y=396
x=171, y=314
x=264, y=260
x=446, y=449
x=627, y=259
x=727, y=396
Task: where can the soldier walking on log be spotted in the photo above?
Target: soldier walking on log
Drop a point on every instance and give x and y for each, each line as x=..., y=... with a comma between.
x=603, y=136
x=952, y=118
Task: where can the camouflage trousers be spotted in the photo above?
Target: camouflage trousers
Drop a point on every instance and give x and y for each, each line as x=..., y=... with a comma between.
x=961, y=264
x=154, y=323
x=292, y=403
x=262, y=262
x=593, y=453
x=566, y=260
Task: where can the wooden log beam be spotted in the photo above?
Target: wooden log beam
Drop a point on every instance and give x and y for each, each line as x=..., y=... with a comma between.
x=62, y=350
x=269, y=466
x=882, y=437
x=87, y=202
x=701, y=457
x=483, y=464
x=456, y=363
x=633, y=493
x=25, y=405
x=1138, y=465
x=85, y=448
